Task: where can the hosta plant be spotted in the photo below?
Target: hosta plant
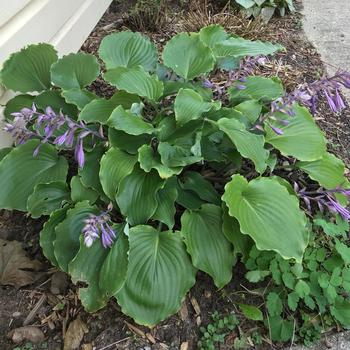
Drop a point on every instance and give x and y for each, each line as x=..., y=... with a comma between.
x=177, y=172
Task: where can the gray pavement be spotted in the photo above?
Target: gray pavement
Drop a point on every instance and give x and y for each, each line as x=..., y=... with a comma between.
x=327, y=25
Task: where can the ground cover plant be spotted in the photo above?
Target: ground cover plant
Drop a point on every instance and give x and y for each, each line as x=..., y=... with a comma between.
x=176, y=172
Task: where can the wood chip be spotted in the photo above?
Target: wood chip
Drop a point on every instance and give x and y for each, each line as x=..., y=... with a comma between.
x=30, y=333
x=183, y=313
x=195, y=305
x=135, y=330
x=74, y=334
x=184, y=346
x=150, y=337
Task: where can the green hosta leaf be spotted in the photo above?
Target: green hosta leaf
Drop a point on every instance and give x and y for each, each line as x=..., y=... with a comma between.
x=48, y=234
x=166, y=209
x=89, y=175
x=114, y=268
x=188, y=56
x=238, y=47
x=193, y=181
x=128, y=122
x=251, y=312
x=80, y=193
x=75, y=71
x=97, y=111
x=66, y=244
x=125, y=99
x=269, y=214
x=47, y=197
x=54, y=99
x=230, y=227
x=149, y=159
x=301, y=139
x=4, y=152
x=159, y=275
x=274, y=304
x=136, y=195
x=129, y=143
x=136, y=81
x=250, y=109
x=327, y=171
x=78, y=97
x=127, y=49
x=20, y=172
x=206, y=243
x=115, y=165
x=29, y=69
x=17, y=103
x=85, y=267
x=249, y=145
x=257, y=88
x=341, y=311
x=176, y=156
x=189, y=105
x=187, y=199
x=212, y=35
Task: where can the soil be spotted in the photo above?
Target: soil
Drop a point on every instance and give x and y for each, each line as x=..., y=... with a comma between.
x=108, y=328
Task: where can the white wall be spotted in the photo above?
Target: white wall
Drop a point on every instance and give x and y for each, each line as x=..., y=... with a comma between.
x=63, y=23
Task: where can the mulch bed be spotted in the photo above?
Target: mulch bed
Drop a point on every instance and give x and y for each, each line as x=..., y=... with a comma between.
x=109, y=329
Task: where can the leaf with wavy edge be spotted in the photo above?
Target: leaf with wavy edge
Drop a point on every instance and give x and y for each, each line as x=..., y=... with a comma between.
x=210, y=251
x=128, y=49
x=136, y=81
x=159, y=275
x=188, y=56
x=269, y=214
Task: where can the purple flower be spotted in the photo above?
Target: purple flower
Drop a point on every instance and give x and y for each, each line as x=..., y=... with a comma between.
x=336, y=207
x=208, y=84
x=79, y=153
x=98, y=226
x=278, y=131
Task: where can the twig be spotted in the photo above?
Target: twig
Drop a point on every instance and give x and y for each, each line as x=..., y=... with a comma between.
x=34, y=311
x=115, y=343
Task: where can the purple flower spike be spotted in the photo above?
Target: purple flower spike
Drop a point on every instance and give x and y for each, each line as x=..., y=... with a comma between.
x=79, y=154
x=338, y=208
x=331, y=103
x=98, y=226
x=339, y=101
x=278, y=131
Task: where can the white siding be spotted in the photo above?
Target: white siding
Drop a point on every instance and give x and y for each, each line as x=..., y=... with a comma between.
x=63, y=23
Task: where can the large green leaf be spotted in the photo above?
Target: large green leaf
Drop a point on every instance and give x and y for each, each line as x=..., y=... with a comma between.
x=238, y=47
x=115, y=165
x=341, y=311
x=97, y=111
x=301, y=138
x=20, y=172
x=29, y=69
x=75, y=71
x=66, y=244
x=136, y=195
x=176, y=156
x=17, y=103
x=327, y=171
x=257, y=88
x=85, y=267
x=48, y=234
x=136, y=81
x=128, y=122
x=212, y=35
x=211, y=252
x=189, y=105
x=188, y=56
x=78, y=97
x=195, y=182
x=159, y=275
x=47, y=197
x=149, y=159
x=80, y=193
x=127, y=49
x=269, y=214
x=249, y=145
x=54, y=99
x=114, y=268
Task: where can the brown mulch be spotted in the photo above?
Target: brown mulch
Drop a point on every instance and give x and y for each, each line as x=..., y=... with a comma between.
x=109, y=328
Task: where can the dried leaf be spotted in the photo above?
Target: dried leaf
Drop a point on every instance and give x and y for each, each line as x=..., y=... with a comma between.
x=184, y=346
x=30, y=333
x=74, y=334
x=15, y=267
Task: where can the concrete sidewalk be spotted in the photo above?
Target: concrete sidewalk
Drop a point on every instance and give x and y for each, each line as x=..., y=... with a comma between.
x=327, y=26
